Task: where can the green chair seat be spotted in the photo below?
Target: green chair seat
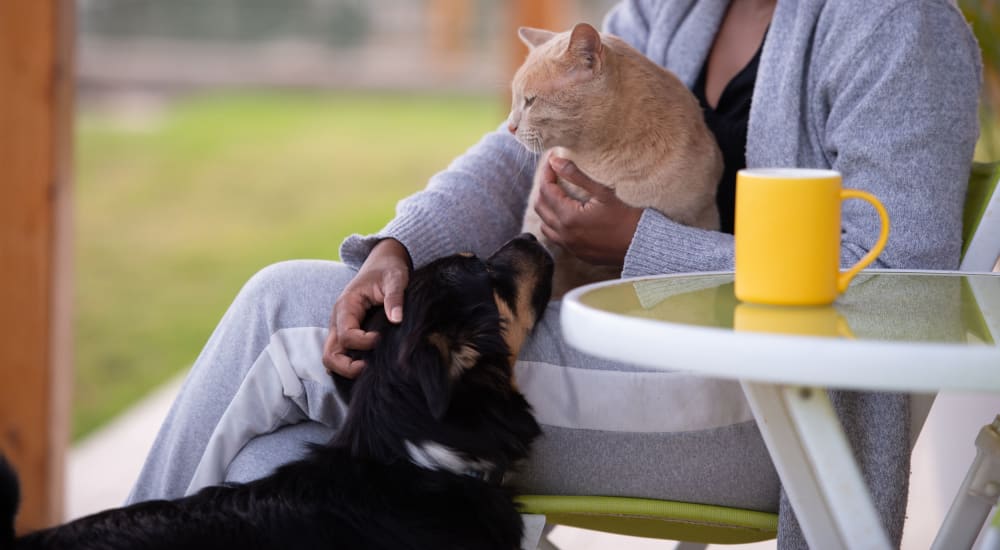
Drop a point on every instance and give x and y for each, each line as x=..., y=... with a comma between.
x=651, y=518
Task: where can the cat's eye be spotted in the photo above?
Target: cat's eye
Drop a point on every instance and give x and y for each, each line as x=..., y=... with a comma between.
x=528, y=101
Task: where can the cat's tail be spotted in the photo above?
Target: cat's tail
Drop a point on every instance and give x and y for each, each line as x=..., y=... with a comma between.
x=10, y=497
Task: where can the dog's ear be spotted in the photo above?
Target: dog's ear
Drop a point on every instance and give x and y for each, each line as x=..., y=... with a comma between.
x=422, y=357
x=436, y=387
x=457, y=356
x=443, y=360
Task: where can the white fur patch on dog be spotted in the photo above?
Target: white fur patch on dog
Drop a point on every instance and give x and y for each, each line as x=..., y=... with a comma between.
x=435, y=456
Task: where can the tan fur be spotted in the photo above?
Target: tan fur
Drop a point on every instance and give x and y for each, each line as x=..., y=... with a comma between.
x=459, y=360
x=517, y=323
x=625, y=121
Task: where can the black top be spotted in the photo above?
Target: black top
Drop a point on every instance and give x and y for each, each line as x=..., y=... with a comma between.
x=728, y=121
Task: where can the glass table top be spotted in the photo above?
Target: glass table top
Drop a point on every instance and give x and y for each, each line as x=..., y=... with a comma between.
x=928, y=307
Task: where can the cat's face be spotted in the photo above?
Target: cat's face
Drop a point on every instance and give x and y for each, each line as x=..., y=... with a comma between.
x=558, y=89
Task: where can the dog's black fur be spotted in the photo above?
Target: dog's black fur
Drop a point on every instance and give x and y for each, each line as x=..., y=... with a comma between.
x=362, y=490
x=10, y=496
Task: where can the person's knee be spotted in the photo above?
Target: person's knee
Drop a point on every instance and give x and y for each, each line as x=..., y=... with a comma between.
x=293, y=277
x=293, y=293
x=275, y=276
x=262, y=454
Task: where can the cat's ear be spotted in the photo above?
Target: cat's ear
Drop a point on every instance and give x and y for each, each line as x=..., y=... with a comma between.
x=585, y=46
x=534, y=37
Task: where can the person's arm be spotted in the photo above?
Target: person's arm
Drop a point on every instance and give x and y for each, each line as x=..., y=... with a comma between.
x=661, y=245
x=902, y=124
x=475, y=205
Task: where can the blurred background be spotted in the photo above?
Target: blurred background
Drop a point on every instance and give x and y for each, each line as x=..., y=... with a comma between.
x=215, y=138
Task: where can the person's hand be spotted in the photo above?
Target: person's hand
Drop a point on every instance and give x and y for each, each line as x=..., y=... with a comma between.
x=598, y=231
x=380, y=281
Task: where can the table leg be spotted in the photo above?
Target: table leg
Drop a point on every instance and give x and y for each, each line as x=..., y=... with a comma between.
x=816, y=466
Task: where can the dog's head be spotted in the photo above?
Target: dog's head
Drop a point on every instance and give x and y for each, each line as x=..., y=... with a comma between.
x=439, y=388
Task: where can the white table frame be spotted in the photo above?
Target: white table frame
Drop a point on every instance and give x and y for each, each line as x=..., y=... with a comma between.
x=786, y=389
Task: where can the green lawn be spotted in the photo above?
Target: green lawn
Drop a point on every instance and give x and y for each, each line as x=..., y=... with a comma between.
x=173, y=217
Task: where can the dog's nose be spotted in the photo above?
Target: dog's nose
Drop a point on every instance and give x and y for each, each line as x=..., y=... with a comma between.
x=528, y=236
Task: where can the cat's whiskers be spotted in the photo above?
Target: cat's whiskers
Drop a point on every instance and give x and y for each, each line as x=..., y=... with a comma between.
x=526, y=160
x=531, y=141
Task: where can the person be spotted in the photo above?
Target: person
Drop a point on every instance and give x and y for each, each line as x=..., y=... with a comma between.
x=884, y=92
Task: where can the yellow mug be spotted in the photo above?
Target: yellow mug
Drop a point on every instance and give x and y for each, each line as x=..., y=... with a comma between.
x=787, y=234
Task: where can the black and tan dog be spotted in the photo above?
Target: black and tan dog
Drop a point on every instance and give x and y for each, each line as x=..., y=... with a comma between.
x=434, y=419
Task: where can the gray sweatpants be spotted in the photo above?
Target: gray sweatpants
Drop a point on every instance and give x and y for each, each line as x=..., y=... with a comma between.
x=258, y=392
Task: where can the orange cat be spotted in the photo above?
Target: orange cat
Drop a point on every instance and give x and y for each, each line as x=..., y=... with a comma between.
x=625, y=121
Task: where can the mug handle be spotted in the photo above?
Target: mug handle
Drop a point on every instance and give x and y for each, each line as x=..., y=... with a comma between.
x=845, y=278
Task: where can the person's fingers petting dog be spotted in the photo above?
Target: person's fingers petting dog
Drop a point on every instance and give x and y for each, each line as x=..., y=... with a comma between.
x=381, y=280
x=598, y=230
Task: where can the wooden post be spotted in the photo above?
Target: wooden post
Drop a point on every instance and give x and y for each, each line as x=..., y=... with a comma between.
x=449, y=25
x=36, y=90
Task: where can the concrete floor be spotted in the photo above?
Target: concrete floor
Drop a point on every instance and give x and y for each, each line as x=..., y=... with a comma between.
x=102, y=468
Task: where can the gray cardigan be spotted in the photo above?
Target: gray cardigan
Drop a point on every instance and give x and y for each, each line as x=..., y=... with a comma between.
x=885, y=91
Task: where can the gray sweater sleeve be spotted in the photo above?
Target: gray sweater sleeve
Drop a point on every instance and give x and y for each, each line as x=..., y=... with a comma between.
x=474, y=205
x=902, y=124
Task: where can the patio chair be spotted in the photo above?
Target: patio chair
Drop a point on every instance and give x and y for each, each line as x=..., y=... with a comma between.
x=981, y=219
x=698, y=525
x=974, y=500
